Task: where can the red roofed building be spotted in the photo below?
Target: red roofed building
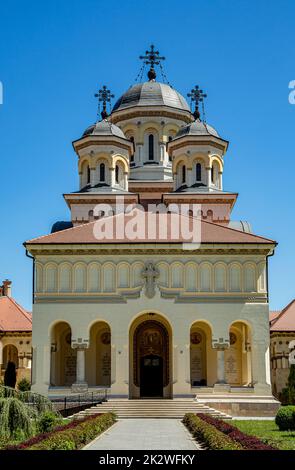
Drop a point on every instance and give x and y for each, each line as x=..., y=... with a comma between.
x=282, y=332
x=145, y=305
x=15, y=334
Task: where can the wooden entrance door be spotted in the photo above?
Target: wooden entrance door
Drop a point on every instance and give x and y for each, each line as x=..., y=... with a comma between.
x=151, y=376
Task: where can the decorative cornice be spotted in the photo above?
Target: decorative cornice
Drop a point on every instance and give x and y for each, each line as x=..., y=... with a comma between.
x=24, y=334
x=187, y=142
x=130, y=113
x=144, y=251
x=94, y=141
x=282, y=333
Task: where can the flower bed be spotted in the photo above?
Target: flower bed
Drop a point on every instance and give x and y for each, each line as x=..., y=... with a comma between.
x=207, y=434
x=72, y=436
x=246, y=441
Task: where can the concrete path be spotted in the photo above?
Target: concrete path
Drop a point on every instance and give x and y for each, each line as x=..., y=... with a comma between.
x=145, y=434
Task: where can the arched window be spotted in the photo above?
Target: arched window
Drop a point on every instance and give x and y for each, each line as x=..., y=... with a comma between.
x=183, y=174
x=102, y=172
x=151, y=147
x=117, y=174
x=88, y=175
x=212, y=174
x=198, y=172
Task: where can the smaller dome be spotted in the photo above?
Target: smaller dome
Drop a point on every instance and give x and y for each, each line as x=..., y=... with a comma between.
x=104, y=128
x=197, y=127
x=61, y=225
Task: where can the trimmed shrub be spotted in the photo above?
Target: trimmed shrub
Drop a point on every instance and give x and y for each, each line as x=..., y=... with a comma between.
x=208, y=434
x=47, y=421
x=72, y=436
x=24, y=385
x=246, y=441
x=287, y=395
x=285, y=418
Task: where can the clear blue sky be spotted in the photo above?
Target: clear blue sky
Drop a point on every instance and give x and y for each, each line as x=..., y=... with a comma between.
x=54, y=55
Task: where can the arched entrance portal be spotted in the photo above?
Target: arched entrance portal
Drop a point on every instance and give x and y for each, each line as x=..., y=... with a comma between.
x=151, y=370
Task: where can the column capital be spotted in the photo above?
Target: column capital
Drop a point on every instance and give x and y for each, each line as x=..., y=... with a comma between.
x=220, y=344
x=80, y=343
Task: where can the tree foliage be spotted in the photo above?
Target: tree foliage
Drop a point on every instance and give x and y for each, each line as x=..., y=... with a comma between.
x=15, y=417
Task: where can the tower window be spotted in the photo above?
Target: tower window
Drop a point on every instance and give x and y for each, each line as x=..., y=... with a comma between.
x=88, y=175
x=117, y=174
x=151, y=147
x=183, y=174
x=198, y=172
x=212, y=174
x=102, y=172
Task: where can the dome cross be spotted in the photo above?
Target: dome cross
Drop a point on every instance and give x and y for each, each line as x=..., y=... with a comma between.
x=152, y=58
x=197, y=96
x=104, y=96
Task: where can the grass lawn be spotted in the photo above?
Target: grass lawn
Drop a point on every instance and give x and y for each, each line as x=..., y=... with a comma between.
x=268, y=432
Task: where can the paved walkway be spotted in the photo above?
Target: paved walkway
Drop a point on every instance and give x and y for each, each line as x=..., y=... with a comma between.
x=145, y=434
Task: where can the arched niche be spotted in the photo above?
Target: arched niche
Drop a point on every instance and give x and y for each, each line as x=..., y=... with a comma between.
x=98, y=355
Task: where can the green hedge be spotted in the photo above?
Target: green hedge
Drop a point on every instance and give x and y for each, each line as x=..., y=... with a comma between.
x=77, y=437
x=208, y=434
x=285, y=418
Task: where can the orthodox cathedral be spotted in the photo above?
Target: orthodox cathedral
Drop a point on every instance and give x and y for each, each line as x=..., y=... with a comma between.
x=139, y=308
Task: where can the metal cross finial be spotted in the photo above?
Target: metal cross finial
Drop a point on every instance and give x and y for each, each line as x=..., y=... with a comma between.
x=104, y=96
x=153, y=58
x=197, y=96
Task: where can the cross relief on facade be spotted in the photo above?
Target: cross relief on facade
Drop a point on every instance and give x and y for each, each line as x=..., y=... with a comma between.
x=150, y=273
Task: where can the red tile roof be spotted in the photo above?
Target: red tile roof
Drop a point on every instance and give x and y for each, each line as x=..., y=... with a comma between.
x=13, y=317
x=273, y=314
x=285, y=320
x=209, y=232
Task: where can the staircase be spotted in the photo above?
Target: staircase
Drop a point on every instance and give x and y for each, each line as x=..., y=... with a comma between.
x=151, y=408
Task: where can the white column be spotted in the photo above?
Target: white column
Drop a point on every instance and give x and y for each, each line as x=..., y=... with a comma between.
x=162, y=153
x=220, y=180
x=126, y=181
x=189, y=177
x=120, y=361
x=92, y=176
x=112, y=177
x=80, y=371
x=208, y=169
x=220, y=367
x=259, y=366
x=140, y=153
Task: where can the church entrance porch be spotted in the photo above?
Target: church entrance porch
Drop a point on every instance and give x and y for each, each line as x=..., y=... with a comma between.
x=150, y=357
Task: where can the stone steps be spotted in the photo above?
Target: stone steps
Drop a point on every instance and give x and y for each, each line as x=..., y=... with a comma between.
x=151, y=409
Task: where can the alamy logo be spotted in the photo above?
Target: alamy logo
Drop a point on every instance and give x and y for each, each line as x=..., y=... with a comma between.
x=159, y=223
x=292, y=93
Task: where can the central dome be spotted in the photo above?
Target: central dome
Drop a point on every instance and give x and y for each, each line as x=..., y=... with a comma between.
x=151, y=94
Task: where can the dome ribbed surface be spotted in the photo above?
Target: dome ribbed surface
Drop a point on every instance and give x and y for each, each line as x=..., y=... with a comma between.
x=105, y=128
x=151, y=94
x=197, y=127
